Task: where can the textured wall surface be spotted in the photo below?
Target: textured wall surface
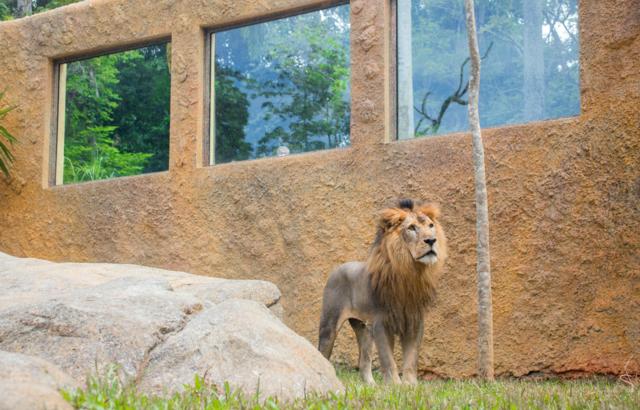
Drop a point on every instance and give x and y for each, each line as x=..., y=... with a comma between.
x=564, y=194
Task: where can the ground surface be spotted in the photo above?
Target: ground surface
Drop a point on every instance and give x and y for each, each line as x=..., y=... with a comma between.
x=505, y=394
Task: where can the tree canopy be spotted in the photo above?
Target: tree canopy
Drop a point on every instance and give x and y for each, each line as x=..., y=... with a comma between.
x=117, y=115
x=290, y=85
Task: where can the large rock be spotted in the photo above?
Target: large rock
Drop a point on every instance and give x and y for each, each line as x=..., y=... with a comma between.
x=28, y=383
x=117, y=322
x=161, y=327
x=239, y=341
x=27, y=280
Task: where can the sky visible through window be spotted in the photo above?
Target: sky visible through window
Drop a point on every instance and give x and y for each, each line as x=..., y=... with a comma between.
x=529, y=67
x=282, y=87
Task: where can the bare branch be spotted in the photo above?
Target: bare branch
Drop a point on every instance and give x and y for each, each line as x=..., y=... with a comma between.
x=508, y=39
x=456, y=97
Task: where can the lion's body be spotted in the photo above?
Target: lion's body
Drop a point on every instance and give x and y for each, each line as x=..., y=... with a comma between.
x=387, y=295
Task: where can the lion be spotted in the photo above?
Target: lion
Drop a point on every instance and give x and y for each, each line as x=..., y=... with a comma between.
x=388, y=294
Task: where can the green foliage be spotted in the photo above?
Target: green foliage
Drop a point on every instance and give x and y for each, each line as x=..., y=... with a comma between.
x=6, y=12
x=232, y=115
x=91, y=95
x=309, y=92
x=117, y=115
x=8, y=9
x=109, y=392
x=283, y=82
x=6, y=138
x=94, y=157
x=142, y=115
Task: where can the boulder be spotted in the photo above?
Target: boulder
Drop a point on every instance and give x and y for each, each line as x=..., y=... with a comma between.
x=28, y=280
x=161, y=327
x=28, y=383
x=86, y=329
x=240, y=342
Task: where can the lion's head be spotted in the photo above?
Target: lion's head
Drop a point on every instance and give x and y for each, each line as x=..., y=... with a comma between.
x=408, y=254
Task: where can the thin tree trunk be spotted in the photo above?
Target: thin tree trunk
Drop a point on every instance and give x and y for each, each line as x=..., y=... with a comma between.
x=405, y=71
x=533, y=87
x=24, y=8
x=485, y=311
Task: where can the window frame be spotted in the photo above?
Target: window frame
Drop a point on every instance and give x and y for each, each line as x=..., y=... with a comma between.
x=58, y=102
x=208, y=134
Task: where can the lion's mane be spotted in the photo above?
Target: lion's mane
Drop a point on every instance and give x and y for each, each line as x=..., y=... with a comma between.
x=400, y=284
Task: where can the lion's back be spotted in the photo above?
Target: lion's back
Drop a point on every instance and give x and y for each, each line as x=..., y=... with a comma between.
x=347, y=274
x=350, y=284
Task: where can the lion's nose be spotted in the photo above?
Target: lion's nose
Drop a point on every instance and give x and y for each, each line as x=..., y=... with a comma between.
x=430, y=241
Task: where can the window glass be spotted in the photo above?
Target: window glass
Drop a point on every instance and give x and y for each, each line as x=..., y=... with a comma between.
x=281, y=87
x=113, y=115
x=529, y=67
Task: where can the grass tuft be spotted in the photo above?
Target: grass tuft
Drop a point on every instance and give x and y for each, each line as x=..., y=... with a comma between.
x=109, y=392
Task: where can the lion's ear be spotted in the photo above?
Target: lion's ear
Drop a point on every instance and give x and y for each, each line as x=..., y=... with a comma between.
x=431, y=210
x=391, y=217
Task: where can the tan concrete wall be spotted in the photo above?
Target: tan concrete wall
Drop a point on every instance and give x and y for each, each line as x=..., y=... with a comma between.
x=564, y=194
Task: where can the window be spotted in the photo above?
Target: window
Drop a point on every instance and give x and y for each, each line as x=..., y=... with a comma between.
x=113, y=115
x=280, y=87
x=529, y=67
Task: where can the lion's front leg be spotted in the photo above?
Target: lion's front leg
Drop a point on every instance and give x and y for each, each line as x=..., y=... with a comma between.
x=384, y=343
x=365, y=347
x=411, y=341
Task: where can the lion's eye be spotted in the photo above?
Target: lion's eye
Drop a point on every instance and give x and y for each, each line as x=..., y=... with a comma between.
x=430, y=225
x=413, y=228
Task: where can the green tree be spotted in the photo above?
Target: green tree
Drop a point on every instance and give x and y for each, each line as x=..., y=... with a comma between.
x=280, y=63
x=99, y=158
x=91, y=97
x=6, y=12
x=93, y=141
x=142, y=115
x=308, y=96
x=231, y=117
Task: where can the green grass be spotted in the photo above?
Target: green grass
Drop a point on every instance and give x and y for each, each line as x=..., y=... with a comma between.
x=107, y=392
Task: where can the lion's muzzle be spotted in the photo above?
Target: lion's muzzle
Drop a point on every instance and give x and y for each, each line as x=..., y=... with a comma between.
x=430, y=256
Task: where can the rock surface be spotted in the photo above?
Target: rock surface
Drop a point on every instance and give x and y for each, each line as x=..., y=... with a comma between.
x=274, y=361
x=161, y=327
x=116, y=322
x=29, y=280
x=28, y=383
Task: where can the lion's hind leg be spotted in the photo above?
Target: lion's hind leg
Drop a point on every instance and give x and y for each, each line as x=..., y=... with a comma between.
x=329, y=323
x=335, y=305
x=365, y=347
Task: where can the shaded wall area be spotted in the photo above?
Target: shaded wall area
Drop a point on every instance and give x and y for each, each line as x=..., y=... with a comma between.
x=564, y=194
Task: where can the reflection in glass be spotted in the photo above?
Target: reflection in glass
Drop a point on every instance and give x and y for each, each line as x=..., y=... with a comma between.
x=282, y=86
x=529, y=63
x=114, y=115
